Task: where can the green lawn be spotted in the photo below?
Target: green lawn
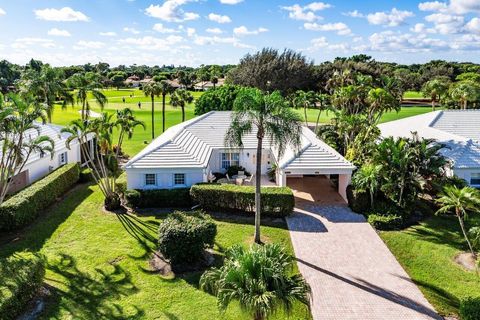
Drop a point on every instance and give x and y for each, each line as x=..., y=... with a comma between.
x=413, y=95
x=426, y=251
x=98, y=263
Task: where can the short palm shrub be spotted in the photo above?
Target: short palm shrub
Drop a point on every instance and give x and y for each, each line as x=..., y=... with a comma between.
x=183, y=236
x=259, y=278
x=474, y=235
x=21, y=278
x=388, y=222
x=121, y=183
x=86, y=175
x=470, y=309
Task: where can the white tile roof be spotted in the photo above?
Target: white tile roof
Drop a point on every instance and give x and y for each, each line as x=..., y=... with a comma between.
x=459, y=130
x=190, y=144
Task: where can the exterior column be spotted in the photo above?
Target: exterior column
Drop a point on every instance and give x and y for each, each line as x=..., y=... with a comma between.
x=343, y=182
x=281, y=179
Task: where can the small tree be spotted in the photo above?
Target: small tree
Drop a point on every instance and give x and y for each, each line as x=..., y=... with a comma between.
x=435, y=89
x=367, y=179
x=180, y=98
x=153, y=90
x=460, y=201
x=259, y=279
x=83, y=85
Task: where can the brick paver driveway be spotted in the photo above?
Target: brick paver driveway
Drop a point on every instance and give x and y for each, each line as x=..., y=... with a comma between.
x=352, y=273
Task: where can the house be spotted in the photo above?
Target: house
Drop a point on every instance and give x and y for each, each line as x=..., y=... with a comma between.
x=132, y=81
x=207, y=85
x=189, y=152
x=458, y=130
x=39, y=164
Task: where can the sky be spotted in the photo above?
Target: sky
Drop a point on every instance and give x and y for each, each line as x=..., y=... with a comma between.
x=195, y=32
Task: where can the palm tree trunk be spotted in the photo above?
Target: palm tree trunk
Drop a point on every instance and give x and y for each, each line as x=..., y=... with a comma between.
x=83, y=110
x=305, y=114
x=183, y=113
x=258, y=179
x=163, y=112
x=462, y=226
x=318, y=120
x=433, y=104
x=465, y=104
x=371, y=198
x=153, y=122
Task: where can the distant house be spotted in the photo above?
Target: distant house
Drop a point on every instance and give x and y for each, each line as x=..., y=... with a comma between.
x=175, y=84
x=132, y=81
x=458, y=130
x=190, y=152
x=40, y=164
x=207, y=85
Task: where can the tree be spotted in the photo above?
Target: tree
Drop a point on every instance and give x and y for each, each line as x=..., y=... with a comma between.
x=465, y=92
x=214, y=81
x=366, y=179
x=380, y=101
x=117, y=78
x=266, y=115
x=165, y=89
x=180, y=98
x=270, y=70
x=152, y=90
x=85, y=84
x=220, y=99
x=435, y=89
x=20, y=137
x=127, y=122
x=460, y=201
x=259, y=279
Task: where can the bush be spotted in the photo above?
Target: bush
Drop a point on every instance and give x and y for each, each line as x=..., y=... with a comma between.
x=359, y=202
x=24, y=207
x=21, y=278
x=390, y=222
x=470, y=309
x=86, y=175
x=219, y=99
x=121, y=183
x=275, y=201
x=184, y=236
x=233, y=170
x=159, y=198
x=474, y=234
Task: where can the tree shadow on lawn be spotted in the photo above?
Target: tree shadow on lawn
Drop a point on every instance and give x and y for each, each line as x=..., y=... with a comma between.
x=91, y=295
x=34, y=236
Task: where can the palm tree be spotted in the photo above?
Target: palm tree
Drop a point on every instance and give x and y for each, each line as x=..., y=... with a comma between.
x=20, y=136
x=214, y=81
x=151, y=90
x=367, y=179
x=465, y=92
x=166, y=88
x=380, y=101
x=259, y=279
x=435, y=89
x=265, y=115
x=180, y=98
x=126, y=123
x=460, y=201
x=83, y=85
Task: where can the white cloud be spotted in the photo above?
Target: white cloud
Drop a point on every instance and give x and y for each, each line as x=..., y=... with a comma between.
x=131, y=30
x=466, y=42
x=243, y=31
x=64, y=14
x=162, y=29
x=389, y=41
x=82, y=44
x=354, y=14
x=339, y=27
x=2, y=12
x=392, y=19
x=421, y=28
x=171, y=11
x=23, y=43
x=214, y=30
x=108, y=34
x=454, y=6
x=191, y=32
x=306, y=13
x=58, y=33
x=319, y=42
x=432, y=6
x=473, y=25
x=219, y=18
x=446, y=23
x=152, y=43
x=230, y=1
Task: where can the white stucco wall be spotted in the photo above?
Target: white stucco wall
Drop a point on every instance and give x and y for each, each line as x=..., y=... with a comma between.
x=466, y=174
x=343, y=182
x=247, y=160
x=136, y=177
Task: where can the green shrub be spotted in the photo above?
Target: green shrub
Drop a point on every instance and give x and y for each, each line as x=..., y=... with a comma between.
x=474, y=234
x=86, y=175
x=121, y=183
x=220, y=99
x=275, y=201
x=159, y=198
x=233, y=170
x=359, y=202
x=24, y=207
x=184, y=236
x=470, y=309
x=380, y=222
x=21, y=278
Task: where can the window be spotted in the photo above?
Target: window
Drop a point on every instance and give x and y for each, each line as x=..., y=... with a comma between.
x=230, y=159
x=475, y=179
x=62, y=158
x=179, y=179
x=150, y=179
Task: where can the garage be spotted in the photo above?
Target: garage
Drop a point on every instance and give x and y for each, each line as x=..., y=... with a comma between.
x=318, y=189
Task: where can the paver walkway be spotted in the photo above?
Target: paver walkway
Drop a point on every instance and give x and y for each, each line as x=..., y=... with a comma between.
x=352, y=273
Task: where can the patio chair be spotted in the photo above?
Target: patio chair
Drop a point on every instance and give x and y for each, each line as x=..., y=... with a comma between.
x=229, y=180
x=249, y=179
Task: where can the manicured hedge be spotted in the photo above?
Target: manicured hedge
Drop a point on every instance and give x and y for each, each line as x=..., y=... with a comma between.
x=359, y=202
x=21, y=278
x=275, y=201
x=86, y=175
x=159, y=198
x=121, y=183
x=390, y=222
x=24, y=207
x=184, y=236
x=470, y=309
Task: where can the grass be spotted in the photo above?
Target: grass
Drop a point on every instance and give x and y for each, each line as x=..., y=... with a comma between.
x=426, y=252
x=97, y=263
x=413, y=95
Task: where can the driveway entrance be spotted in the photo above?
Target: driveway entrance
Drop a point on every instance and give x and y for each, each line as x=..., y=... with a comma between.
x=314, y=190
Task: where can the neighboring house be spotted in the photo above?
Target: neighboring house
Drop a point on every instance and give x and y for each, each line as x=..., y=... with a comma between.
x=207, y=85
x=187, y=153
x=458, y=130
x=40, y=164
x=133, y=81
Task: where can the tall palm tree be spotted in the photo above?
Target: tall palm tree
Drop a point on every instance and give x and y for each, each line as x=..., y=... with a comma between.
x=265, y=115
x=126, y=123
x=367, y=179
x=435, y=89
x=180, y=98
x=460, y=201
x=152, y=90
x=380, y=101
x=465, y=92
x=83, y=85
x=166, y=88
x=214, y=81
x=259, y=279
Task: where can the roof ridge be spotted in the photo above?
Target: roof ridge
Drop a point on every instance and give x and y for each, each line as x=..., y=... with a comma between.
x=435, y=119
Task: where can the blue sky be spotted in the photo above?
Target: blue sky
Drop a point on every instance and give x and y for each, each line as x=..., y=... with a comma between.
x=194, y=32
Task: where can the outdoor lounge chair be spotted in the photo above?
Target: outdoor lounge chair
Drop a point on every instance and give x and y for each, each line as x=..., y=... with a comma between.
x=249, y=179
